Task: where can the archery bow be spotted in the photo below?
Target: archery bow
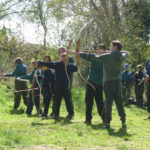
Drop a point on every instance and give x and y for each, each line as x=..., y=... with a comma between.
x=78, y=64
x=36, y=77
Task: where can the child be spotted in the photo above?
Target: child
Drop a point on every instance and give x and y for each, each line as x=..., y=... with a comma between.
x=62, y=88
x=19, y=71
x=34, y=95
x=48, y=83
x=126, y=83
x=95, y=77
x=139, y=85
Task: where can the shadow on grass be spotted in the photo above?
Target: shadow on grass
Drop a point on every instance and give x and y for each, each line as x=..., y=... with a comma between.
x=18, y=111
x=38, y=124
x=63, y=121
x=120, y=133
x=96, y=126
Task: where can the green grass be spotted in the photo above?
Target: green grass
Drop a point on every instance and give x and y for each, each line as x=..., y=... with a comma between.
x=17, y=131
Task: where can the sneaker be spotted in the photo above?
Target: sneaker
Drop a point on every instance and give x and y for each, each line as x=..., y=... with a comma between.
x=124, y=126
x=87, y=121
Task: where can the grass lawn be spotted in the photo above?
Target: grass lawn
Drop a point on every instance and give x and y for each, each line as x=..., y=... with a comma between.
x=17, y=131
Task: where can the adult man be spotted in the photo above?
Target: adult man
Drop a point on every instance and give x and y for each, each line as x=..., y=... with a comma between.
x=60, y=51
x=95, y=77
x=61, y=86
x=19, y=71
x=112, y=63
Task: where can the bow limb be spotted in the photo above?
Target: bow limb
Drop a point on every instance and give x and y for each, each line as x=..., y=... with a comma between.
x=78, y=50
x=36, y=78
x=67, y=58
x=78, y=64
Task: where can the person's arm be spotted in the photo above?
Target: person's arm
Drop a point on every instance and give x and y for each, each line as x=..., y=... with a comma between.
x=72, y=67
x=14, y=73
x=28, y=76
x=85, y=58
x=47, y=64
x=90, y=56
x=131, y=78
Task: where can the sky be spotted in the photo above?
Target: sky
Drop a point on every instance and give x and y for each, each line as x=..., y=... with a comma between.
x=26, y=30
x=30, y=32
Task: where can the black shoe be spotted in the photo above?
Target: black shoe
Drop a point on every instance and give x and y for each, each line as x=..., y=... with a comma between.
x=124, y=126
x=87, y=121
x=69, y=116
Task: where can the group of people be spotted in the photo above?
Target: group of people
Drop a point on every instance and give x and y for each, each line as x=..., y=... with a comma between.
x=140, y=81
x=54, y=81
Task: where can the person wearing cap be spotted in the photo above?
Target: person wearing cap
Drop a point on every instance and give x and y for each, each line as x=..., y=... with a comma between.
x=139, y=85
x=62, y=86
x=112, y=65
x=35, y=78
x=95, y=77
x=126, y=83
x=19, y=71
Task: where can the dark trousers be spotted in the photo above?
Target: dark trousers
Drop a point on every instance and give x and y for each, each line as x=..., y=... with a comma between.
x=34, y=101
x=20, y=85
x=66, y=94
x=113, y=91
x=148, y=97
x=47, y=98
x=126, y=93
x=139, y=91
x=89, y=99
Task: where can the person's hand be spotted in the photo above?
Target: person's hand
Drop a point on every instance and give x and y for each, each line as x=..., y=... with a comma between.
x=4, y=75
x=17, y=78
x=70, y=51
x=147, y=78
x=35, y=76
x=77, y=54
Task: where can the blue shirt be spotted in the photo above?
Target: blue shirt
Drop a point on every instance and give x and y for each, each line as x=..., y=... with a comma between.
x=30, y=77
x=19, y=71
x=127, y=78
